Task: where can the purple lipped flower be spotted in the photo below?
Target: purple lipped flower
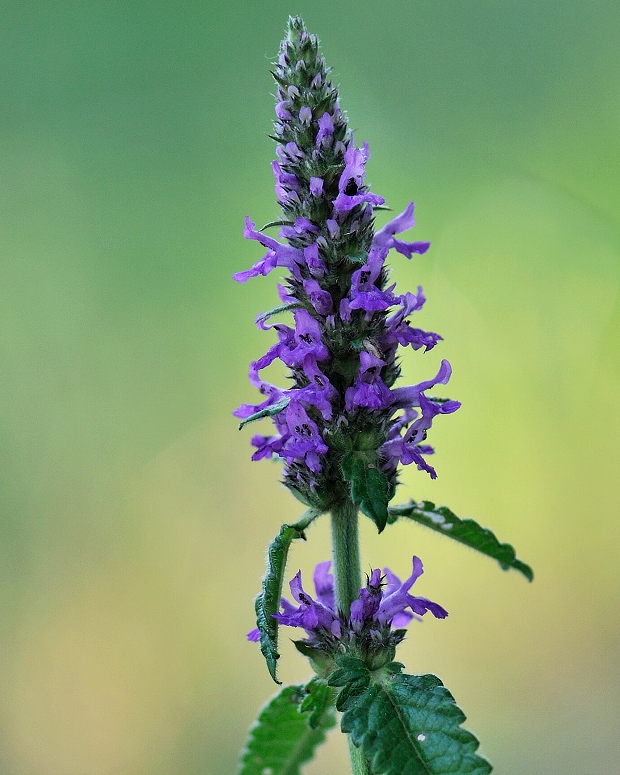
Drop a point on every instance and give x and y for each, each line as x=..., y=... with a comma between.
x=326, y=130
x=267, y=446
x=319, y=392
x=304, y=440
x=384, y=238
x=351, y=187
x=305, y=115
x=397, y=599
x=376, y=619
x=307, y=339
x=321, y=300
x=316, y=186
x=278, y=255
x=410, y=396
x=316, y=266
x=282, y=110
x=369, y=390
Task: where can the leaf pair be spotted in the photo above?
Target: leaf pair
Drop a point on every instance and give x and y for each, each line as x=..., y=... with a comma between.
x=403, y=724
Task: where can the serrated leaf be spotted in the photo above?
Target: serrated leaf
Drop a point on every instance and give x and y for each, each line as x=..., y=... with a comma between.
x=370, y=489
x=320, y=697
x=409, y=725
x=268, y=601
x=353, y=678
x=268, y=411
x=282, y=739
x=467, y=531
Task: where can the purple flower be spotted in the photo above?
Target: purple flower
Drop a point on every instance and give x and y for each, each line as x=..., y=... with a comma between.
x=351, y=183
x=316, y=186
x=326, y=130
x=383, y=604
x=384, y=238
x=304, y=440
x=398, y=330
x=410, y=396
x=369, y=390
x=316, y=266
x=321, y=300
x=341, y=349
x=278, y=255
x=307, y=340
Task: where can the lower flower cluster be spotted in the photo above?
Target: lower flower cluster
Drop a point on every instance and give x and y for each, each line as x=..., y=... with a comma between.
x=375, y=625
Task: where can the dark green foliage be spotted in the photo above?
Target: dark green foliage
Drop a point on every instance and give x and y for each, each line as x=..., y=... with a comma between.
x=269, y=411
x=286, y=735
x=370, y=489
x=442, y=520
x=318, y=701
x=268, y=602
x=405, y=724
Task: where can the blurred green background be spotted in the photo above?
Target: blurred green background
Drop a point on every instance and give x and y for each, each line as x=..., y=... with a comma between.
x=133, y=524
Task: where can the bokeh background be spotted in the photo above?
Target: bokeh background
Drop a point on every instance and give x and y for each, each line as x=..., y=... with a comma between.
x=133, y=141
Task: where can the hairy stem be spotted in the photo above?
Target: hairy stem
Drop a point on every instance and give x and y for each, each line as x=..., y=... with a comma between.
x=359, y=763
x=346, y=555
x=347, y=583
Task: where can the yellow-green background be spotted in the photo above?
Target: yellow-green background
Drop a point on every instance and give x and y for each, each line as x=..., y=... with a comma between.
x=133, y=524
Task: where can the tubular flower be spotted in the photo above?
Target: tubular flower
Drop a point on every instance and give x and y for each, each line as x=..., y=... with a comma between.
x=349, y=322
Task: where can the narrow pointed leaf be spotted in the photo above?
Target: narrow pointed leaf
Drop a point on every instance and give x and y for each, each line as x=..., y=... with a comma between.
x=276, y=223
x=277, y=310
x=442, y=520
x=370, y=489
x=268, y=602
x=282, y=738
x=406, y=724
x=268, y=411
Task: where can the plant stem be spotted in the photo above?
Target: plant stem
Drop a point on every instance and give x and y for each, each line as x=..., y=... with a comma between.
x=347, y=583
x=359, y=763
x=346, y=555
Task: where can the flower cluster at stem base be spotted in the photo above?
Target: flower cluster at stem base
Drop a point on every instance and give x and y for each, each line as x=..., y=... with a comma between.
x=372, y=630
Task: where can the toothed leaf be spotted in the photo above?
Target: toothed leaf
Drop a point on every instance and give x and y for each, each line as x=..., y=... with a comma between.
x=405, y=724
x=318, y=702
x=268, y=602
x=442, y=520
x=282, y=738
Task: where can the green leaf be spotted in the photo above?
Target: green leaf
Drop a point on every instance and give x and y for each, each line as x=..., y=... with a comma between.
x=276, y=311
x=406, y=724
x=370, y=489
x=283, y=738
x=268, y=602
x=276, y=223
x=442, y=520
x=268, y=411
x=319, y=700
